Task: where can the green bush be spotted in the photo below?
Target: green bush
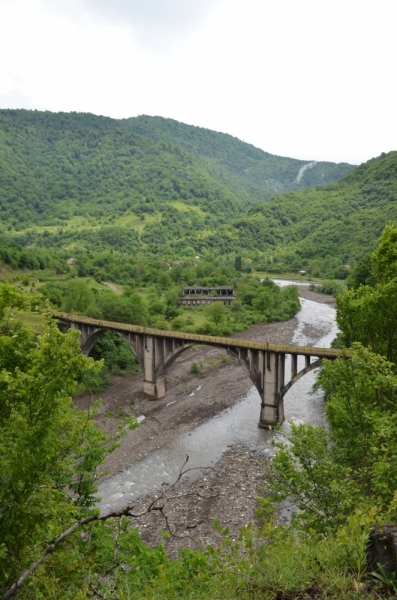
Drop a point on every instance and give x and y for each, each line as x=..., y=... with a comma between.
x=195, y=368
x=331, y=289
x=95, y=383
x=178, y=323
x=118, y=356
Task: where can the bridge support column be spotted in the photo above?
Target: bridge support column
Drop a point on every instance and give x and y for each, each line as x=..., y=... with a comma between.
x=153, y=356
x=272, y=407
x=294, y=365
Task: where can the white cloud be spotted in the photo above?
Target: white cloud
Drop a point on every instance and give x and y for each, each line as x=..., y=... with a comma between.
x=157, y=25
x=307, y=79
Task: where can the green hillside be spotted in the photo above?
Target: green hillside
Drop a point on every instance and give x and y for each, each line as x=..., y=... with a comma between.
x=338, y=223
x=244, y=168
x=58, y=167
x=148, y=185
x=74, y=167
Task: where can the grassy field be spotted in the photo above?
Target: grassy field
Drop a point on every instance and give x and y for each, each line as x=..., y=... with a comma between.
x=194, y=317
x=293, y=276
x=181, y=206
x=132, y=220
x=33, y=321
x=79, y=223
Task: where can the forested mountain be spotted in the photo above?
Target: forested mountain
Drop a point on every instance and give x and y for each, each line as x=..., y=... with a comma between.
x=244, y=168
x=54, y=167
x=86, y=183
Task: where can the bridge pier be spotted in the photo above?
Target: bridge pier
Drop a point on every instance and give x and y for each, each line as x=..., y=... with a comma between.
x=153, y=356
x=272, y=405
x=154, y=389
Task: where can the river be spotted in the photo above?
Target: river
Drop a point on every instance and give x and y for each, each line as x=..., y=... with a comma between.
x=236, y=425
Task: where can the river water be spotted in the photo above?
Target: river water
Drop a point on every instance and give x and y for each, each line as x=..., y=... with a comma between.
x=236, y=425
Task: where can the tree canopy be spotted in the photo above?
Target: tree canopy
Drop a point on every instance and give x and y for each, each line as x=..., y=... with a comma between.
x=49, y=451
x=347, y=468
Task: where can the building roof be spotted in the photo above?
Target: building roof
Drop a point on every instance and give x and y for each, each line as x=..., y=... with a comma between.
x=203, y=287
x=206, y=296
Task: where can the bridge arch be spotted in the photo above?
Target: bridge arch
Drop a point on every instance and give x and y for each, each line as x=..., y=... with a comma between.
x=241, y=359
x=88, y=342
x=171, y=357
x=311, y=367
x=251, y=366
x=258, y=367
x=252, y=362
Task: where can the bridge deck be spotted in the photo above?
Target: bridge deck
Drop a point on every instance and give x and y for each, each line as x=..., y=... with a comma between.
x=202, y=339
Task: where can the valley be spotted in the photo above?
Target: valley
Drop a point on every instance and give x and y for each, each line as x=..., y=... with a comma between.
x=112, y=219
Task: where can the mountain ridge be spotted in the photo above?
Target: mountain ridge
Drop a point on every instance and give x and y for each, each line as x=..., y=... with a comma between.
x=342, y=220
x=277, y=174
x=79, y=181
x=253, y=174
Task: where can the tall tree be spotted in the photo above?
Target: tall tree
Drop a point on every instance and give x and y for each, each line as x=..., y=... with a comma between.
x=49, y=450
x=216, y=312
x=369, y=314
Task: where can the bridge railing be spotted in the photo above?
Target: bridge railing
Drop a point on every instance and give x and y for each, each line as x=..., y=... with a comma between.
x=199, y=338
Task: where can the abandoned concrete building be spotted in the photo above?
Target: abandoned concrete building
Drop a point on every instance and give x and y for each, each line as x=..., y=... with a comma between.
x=201, y=296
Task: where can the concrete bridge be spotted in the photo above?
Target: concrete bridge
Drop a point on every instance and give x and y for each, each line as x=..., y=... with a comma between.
x=156, y=350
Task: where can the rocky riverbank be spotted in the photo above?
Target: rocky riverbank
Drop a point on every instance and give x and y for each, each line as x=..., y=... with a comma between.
x=226, y=493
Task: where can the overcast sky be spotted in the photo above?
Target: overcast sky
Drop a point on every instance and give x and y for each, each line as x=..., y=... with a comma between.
x=311, y=79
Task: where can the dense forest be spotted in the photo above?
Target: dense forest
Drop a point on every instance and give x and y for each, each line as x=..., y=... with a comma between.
x=185, y=162
x=327, y=229
x=170, y=185
x=148, y=187
x=53, y=171
x=242, y=166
